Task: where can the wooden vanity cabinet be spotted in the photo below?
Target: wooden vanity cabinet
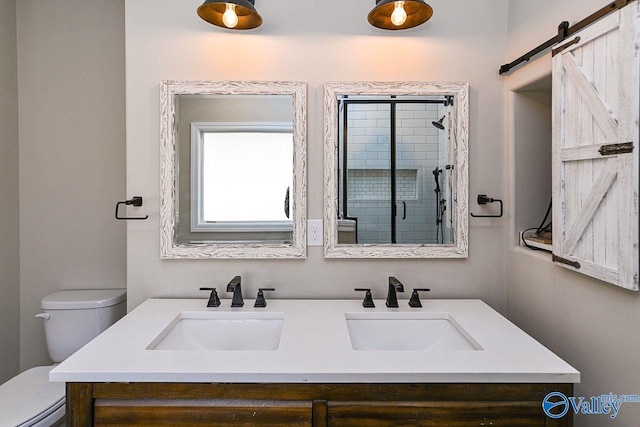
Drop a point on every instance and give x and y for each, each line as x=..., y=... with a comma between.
x=186, y=404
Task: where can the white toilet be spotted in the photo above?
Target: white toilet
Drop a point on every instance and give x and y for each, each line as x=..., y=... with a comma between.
x=72, y=319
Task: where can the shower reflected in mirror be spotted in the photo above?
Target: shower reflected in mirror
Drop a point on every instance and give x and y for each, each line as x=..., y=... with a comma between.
x=382, y=199
x=396, y=171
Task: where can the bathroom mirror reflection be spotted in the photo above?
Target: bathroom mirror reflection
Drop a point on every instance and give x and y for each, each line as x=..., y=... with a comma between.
x=396, y=169
x=234, y=169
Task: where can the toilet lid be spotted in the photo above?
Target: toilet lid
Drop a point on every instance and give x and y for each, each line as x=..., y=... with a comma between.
x=30, y=397
x=83, y=299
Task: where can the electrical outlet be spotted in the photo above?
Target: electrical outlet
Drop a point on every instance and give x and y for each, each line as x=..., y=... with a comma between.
x=314, y=232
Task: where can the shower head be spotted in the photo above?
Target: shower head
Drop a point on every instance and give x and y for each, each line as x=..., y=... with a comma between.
x=439, y=124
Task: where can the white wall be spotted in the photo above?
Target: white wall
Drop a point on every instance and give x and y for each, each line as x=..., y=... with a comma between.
x=592, y=325
x=9, y=221
x=315, y=42
x=72, y=153
x=532, y=114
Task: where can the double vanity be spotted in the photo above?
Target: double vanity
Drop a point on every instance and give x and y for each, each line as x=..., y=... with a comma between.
x=313, y=362
x=396, y=187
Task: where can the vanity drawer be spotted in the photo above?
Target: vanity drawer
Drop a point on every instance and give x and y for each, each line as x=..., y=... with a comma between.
x=204, y=412
x=428, y=414
x=318, y=405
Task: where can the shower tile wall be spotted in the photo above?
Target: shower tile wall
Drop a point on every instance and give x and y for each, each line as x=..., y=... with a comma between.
x=369, y=161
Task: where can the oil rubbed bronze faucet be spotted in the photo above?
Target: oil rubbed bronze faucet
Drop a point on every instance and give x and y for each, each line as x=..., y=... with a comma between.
x=415, y=298
x=261, y=302
x=368, y=299
x=394, y=286
x=234, y=286
x=214, y=300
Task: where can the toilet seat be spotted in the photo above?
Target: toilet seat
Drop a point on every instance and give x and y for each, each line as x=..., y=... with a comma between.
x=30, y=399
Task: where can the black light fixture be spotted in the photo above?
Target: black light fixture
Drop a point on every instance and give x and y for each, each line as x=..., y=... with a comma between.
x=399, y=15
x=233, y=14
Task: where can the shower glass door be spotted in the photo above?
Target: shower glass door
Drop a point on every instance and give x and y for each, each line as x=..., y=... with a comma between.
x=393, y=170
x=366, y=171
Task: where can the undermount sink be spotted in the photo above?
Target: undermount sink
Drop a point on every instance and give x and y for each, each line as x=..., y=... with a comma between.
x=408, y=332
x=221, y=331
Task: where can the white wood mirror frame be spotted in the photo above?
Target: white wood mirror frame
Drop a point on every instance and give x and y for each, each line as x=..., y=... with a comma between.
x=169, y=247
x=460, y=128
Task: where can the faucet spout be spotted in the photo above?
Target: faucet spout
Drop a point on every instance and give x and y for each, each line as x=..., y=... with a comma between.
x=394, y=286
x=234, y=286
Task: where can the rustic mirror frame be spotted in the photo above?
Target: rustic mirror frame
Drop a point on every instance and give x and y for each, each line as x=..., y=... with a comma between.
x=460, y=113
x=169, y=248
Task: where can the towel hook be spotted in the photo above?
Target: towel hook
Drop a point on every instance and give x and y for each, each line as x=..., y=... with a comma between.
x=483, y=200
x=135, y=201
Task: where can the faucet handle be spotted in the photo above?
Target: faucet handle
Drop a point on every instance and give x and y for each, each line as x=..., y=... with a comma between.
x=260, y=301
x=415, y=298
x=214, y=300
x=368, y=299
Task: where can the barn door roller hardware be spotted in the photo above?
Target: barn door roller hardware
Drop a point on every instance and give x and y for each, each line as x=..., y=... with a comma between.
x=565, y=31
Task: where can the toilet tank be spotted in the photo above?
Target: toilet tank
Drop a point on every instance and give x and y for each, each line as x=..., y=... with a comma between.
x=75, y=317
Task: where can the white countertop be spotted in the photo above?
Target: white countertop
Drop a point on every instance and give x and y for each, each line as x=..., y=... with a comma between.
x=315, y=348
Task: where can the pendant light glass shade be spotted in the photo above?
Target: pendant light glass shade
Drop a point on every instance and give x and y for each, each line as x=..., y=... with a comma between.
x=399, y=15
x=233, y=14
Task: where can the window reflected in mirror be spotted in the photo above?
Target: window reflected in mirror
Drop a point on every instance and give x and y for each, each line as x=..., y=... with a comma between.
x=250, y=172
x=242, y=177
x=236, y=168
x=233, y=169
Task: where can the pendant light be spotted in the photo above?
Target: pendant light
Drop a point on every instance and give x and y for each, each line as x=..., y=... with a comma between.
x=233, y=14
x=399, y=15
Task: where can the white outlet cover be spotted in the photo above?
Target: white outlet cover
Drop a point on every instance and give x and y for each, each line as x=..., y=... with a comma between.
x=315, y=232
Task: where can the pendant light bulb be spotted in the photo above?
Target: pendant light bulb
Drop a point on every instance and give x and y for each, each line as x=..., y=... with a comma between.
x=399, y=15
x=230, y=18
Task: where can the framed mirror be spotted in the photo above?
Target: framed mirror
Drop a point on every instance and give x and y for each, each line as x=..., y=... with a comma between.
x=233, y=169
x=396, y=170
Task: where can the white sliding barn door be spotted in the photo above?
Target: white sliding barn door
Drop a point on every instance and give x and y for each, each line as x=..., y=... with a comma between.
x=596, y=104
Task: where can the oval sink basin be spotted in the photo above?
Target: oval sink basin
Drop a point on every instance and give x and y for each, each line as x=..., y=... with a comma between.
x=407, y=332
x=221, y=331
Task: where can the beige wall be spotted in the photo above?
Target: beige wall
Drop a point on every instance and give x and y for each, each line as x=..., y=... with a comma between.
x=72, y=153
x=592, y=325
x=310, y=41
x=9, y=221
